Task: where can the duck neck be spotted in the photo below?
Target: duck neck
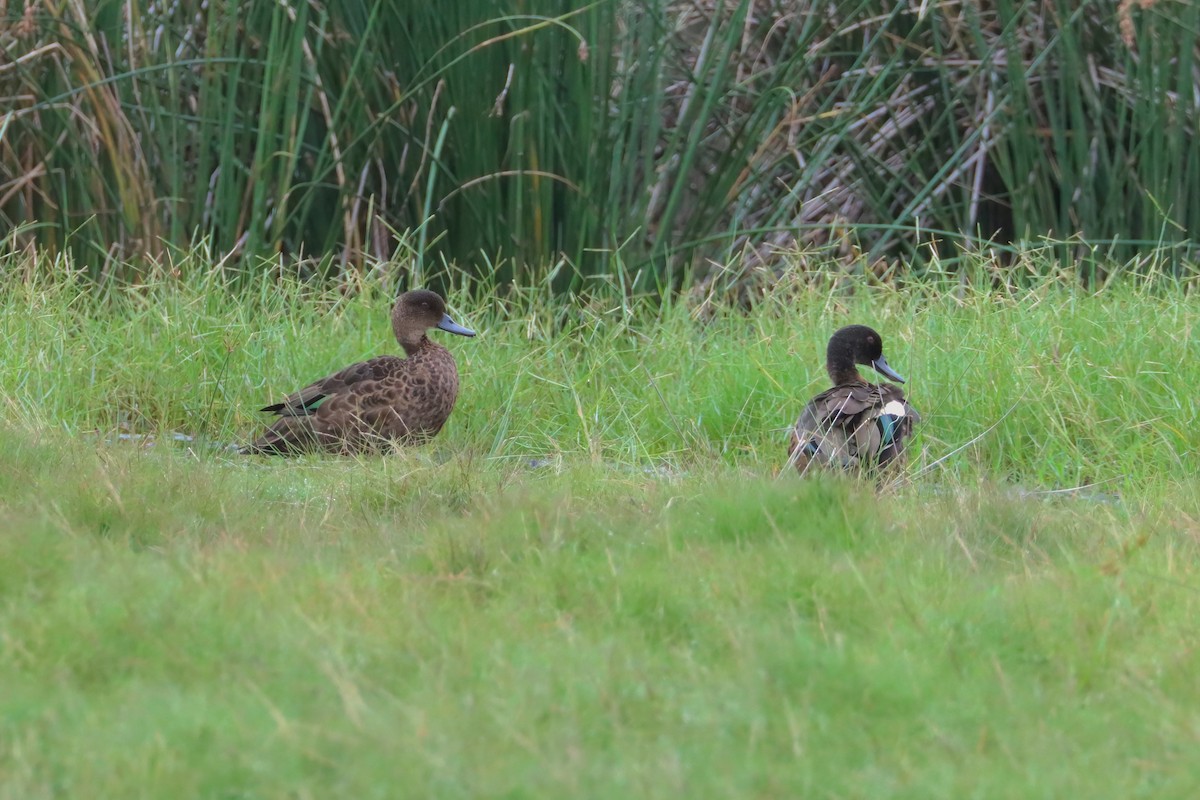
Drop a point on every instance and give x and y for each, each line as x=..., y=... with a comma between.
x=843, y=374
x=840, y=360
x=414, y=346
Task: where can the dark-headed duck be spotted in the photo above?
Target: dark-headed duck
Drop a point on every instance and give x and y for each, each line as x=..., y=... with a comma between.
x=855, y=425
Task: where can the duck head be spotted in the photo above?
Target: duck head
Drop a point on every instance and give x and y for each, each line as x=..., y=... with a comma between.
x=416, y=312
x=853, y=345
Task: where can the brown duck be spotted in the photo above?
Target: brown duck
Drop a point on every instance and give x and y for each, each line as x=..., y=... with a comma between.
x=368, y=406
x=854, y=425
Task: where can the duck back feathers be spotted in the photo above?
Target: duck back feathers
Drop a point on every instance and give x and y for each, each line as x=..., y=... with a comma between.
x=863, y=426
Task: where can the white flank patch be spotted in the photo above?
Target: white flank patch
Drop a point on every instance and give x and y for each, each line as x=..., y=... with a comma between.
x=895, y=408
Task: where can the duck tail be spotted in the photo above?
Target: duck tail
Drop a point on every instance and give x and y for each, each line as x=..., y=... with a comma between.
x=286, y=437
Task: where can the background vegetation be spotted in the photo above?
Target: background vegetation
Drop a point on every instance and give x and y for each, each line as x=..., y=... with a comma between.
x=560, y=132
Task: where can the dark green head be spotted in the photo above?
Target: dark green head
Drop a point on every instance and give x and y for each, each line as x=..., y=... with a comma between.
x=853, y=345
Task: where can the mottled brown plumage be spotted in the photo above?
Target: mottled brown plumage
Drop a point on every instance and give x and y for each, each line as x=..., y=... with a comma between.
x=854, y=425
x=370, y=405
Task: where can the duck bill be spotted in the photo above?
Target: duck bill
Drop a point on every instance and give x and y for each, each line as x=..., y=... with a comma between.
x=880, y=365
x=450, y=326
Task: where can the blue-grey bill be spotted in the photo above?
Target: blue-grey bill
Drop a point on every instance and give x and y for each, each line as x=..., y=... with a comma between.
x=450, y=326
x=881, y=366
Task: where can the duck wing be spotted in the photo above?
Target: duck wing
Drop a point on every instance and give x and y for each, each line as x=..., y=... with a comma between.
x=332, y=414
x=852, y=426
x=895, y=422
x=307, y=400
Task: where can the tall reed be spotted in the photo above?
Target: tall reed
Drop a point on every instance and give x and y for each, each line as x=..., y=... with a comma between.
x=635, y=140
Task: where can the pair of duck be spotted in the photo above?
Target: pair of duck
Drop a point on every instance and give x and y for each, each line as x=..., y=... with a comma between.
x=367, y=406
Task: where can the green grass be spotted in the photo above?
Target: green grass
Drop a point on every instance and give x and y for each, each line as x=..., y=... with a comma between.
x=651, y=611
